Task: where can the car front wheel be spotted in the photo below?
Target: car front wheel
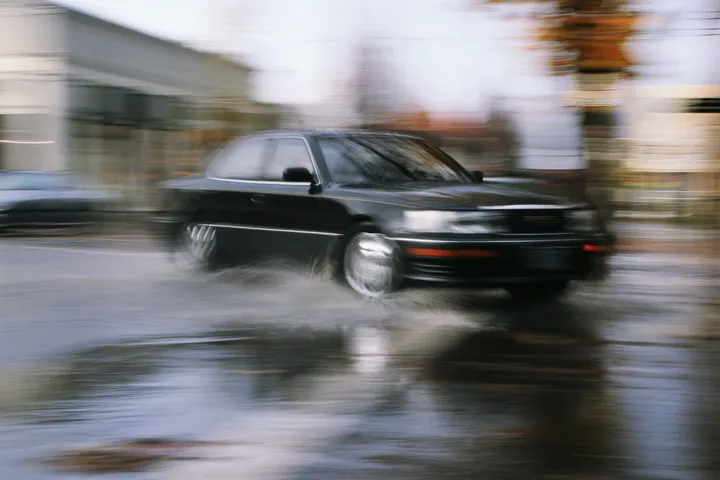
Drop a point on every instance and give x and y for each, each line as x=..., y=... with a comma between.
x=195, y=247
x=370, y=264
x=540, y=291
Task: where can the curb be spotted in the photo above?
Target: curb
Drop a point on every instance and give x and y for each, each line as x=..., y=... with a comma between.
x=689, y=247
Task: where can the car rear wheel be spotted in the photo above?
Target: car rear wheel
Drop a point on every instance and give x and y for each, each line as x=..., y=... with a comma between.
x=371, y=264
x=540, y=291
x=196, y=247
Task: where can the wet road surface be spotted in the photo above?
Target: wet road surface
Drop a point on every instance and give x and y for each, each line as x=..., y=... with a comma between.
x=105, y=341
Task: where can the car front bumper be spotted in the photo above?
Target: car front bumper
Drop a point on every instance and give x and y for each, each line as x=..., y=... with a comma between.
x=504, y=260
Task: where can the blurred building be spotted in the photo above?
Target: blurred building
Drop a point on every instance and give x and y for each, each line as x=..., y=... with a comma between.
x=672, y=162
x=127, y=108
x=549, y=138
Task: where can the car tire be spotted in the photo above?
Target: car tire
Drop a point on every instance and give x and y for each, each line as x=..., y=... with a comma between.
x=538, y=291
x=370, y=264
x=196, y=248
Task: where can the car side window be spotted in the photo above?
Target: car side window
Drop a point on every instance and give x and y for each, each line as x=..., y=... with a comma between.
x=342, y=169
x=288, y=153
x=241, y=160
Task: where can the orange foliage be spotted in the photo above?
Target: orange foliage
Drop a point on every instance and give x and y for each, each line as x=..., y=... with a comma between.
x=587, y=42
x=583, y=35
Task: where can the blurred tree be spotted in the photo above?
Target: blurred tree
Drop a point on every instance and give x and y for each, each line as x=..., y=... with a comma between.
x=589, y=39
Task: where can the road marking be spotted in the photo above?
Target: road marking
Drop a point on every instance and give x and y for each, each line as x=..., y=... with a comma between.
x=92, y=251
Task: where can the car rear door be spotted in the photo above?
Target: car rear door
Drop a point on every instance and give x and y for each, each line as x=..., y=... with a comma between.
x=229, y=202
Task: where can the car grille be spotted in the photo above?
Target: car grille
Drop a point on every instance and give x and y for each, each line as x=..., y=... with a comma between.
x=536, y=222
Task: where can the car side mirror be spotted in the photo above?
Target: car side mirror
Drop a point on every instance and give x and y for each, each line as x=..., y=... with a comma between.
x=298, y=175
x=478, y=175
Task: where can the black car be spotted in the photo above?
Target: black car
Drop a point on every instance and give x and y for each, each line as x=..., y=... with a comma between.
x=41, y=200
x=384, y=211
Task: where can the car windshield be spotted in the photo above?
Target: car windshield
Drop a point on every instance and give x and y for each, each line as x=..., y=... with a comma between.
x=36, y=181
x=357, y=159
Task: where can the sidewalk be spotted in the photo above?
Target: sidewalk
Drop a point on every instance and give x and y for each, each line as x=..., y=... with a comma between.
x=664, y=237
x=702, y=249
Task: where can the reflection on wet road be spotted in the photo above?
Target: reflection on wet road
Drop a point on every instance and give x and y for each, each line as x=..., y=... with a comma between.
x=303, y=381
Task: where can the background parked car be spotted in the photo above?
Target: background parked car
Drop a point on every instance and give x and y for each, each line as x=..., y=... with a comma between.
x=50, y=200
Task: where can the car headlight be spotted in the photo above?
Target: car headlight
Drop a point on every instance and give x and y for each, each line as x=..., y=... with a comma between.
x=431, y=221
x=584, y=220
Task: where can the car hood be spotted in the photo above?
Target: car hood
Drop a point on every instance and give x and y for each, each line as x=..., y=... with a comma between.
x=463, y=196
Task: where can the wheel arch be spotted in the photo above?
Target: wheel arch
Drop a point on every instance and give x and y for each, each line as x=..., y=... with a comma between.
x=175, y=208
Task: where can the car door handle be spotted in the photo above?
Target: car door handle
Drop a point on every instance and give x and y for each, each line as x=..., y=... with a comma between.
x=257, y=199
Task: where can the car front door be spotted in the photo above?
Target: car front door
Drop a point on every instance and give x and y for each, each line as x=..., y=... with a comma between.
x=292, y=215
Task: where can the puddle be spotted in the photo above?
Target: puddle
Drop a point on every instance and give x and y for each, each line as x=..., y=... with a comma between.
x=192, y=388
x=254, y=376
x=154, y=388
x=390, y=403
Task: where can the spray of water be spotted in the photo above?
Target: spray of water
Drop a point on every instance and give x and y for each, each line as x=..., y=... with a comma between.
x=412, y=322
x=415, y=325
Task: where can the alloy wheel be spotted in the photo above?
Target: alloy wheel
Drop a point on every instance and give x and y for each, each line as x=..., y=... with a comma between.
x=371, y=265
x=196, y=247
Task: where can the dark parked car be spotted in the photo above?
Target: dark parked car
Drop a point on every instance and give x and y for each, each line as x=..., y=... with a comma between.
x=48, y=200
x=384, y=211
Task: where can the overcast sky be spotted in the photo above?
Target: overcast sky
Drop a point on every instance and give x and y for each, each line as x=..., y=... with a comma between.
x=449, y=59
